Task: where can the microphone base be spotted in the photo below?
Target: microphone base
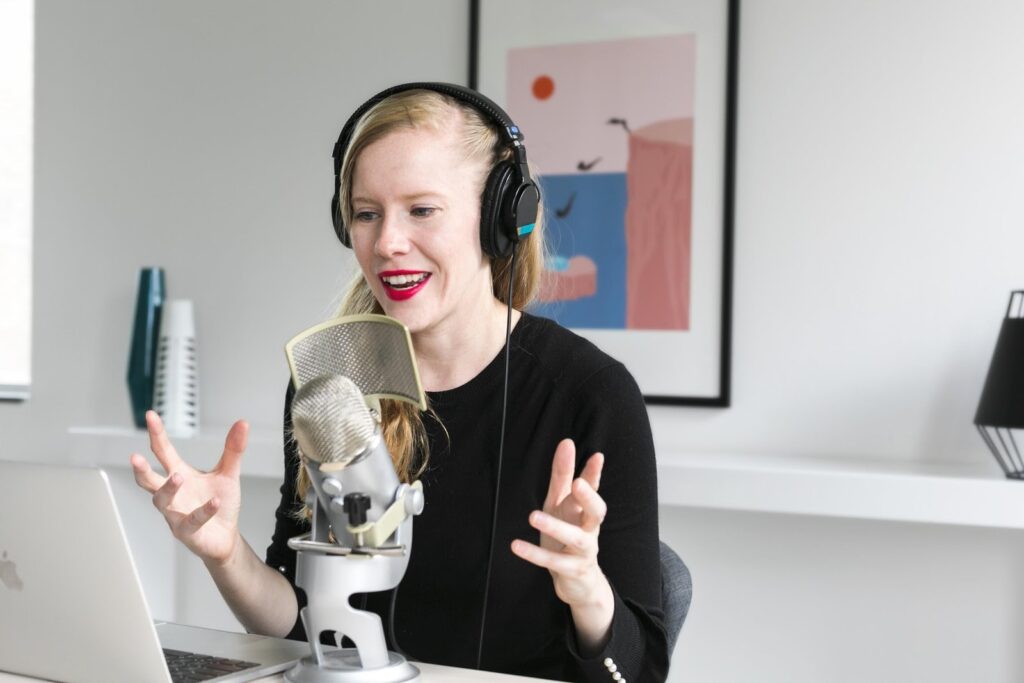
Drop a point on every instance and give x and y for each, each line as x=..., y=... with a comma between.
x=344, y=666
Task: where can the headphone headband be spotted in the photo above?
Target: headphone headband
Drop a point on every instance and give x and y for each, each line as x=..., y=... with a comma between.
x=511, y=199
x=510, y=131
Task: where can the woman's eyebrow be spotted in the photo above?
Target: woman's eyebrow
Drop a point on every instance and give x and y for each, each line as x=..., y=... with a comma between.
x=410, y=197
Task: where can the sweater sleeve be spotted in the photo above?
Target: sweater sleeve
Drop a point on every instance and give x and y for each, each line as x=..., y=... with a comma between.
x=612, y=418
x=287, y=525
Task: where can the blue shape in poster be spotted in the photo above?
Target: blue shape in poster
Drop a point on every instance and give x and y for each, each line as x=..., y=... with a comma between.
x=594, y=227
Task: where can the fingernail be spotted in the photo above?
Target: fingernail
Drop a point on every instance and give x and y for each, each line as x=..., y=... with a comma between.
x=538, y=517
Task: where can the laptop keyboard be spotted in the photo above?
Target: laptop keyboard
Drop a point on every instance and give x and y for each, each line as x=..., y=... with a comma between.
x=189, y=667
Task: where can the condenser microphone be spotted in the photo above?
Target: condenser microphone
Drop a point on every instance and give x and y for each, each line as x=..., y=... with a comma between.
x=346, y=457
x=361, y=515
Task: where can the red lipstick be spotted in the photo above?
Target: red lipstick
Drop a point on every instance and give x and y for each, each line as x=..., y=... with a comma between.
x=403, y=292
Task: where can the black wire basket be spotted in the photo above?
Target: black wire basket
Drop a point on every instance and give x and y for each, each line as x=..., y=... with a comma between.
x=1000, y=416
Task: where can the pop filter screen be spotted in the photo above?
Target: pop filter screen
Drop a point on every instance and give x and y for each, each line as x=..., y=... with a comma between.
x=374, y=351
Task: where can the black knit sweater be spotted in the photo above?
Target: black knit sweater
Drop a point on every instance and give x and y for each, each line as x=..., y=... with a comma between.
x=560, y=385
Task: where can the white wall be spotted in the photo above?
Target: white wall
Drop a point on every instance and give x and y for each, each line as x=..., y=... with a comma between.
x=783, y=598
x=879, y=231
x=879, y=227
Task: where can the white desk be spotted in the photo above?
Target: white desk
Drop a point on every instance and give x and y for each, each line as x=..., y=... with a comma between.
x=431, y=673
x=434, y=673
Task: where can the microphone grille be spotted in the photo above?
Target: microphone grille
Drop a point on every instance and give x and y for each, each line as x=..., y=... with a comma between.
x=331, y=421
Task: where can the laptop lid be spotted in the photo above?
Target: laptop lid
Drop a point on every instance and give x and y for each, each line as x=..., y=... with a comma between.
x=71, y=604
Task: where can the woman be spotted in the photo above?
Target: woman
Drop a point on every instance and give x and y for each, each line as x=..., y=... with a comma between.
x=411, y=192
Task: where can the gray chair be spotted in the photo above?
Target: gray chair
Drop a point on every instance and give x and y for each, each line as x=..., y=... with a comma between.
x=676, y=592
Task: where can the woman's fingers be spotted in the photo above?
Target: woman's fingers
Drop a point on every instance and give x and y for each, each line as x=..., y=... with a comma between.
x=562, y=467
x=592, y=471
x=555, y=562
x=569, y=535
x=234, y=446
x=160, y=443
x=572, y=517
x=144, y=474
x=191, y=522
x=591, y=504
x=165, y=494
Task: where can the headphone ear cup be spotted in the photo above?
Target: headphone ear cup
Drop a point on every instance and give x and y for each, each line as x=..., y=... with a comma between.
x=496, y=236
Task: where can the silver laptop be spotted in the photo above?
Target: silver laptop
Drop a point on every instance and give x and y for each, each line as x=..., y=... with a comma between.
x=71, y=604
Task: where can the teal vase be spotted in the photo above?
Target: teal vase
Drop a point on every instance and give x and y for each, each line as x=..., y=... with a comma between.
x=145, y=334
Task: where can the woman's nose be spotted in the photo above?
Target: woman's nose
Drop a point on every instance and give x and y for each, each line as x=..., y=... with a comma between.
x=392, y=238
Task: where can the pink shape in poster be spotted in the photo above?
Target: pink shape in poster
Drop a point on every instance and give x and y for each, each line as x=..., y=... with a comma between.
x=659, y=193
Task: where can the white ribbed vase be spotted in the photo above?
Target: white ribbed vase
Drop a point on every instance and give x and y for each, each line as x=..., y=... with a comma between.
x=176, y=390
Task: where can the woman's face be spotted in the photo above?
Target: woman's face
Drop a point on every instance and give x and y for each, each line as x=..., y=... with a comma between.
x=415, y=229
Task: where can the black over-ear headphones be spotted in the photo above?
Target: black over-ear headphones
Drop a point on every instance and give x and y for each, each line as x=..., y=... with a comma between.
x=508, y=210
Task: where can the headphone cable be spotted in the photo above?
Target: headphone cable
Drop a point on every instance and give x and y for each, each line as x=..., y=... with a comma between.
x=391, y=624
x=501, y=452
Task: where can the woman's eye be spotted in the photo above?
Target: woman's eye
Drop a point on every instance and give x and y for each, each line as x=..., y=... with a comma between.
x=423, y=211
x=365, y=216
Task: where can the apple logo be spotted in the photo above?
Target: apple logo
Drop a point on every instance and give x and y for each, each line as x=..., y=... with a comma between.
x=9, y=574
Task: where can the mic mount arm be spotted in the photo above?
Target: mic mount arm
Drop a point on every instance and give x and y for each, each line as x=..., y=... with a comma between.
x=370, y=536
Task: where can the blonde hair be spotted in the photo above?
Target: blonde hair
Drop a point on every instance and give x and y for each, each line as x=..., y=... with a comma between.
x=401, y=422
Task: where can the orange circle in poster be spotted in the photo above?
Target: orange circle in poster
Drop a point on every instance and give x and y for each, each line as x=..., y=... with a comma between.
x=543, y=87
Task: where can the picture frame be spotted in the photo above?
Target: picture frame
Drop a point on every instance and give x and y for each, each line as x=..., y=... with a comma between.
x=629, y=117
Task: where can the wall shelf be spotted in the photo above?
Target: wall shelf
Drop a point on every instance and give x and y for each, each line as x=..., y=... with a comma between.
x=967, y=494
x=110, y=446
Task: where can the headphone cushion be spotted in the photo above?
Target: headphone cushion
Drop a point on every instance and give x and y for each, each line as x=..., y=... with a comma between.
x=495, y=238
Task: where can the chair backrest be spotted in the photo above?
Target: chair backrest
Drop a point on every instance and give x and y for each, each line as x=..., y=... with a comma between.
x=676, y=593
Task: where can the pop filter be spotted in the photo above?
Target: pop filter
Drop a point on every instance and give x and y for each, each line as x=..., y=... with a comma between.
x=374, y=351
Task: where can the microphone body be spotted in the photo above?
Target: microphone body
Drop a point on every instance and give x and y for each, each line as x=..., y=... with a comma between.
x=345, y=456
x=373, y=476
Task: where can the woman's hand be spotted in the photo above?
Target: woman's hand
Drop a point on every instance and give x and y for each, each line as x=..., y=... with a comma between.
x=569, y=526
x=200, y=507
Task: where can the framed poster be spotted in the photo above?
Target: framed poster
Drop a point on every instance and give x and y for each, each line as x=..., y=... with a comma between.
x=629, y=117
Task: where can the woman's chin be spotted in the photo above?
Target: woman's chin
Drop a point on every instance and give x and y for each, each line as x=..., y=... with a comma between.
x=413, y=320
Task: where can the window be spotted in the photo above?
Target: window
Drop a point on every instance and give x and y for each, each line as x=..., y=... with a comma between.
x=16, y=85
